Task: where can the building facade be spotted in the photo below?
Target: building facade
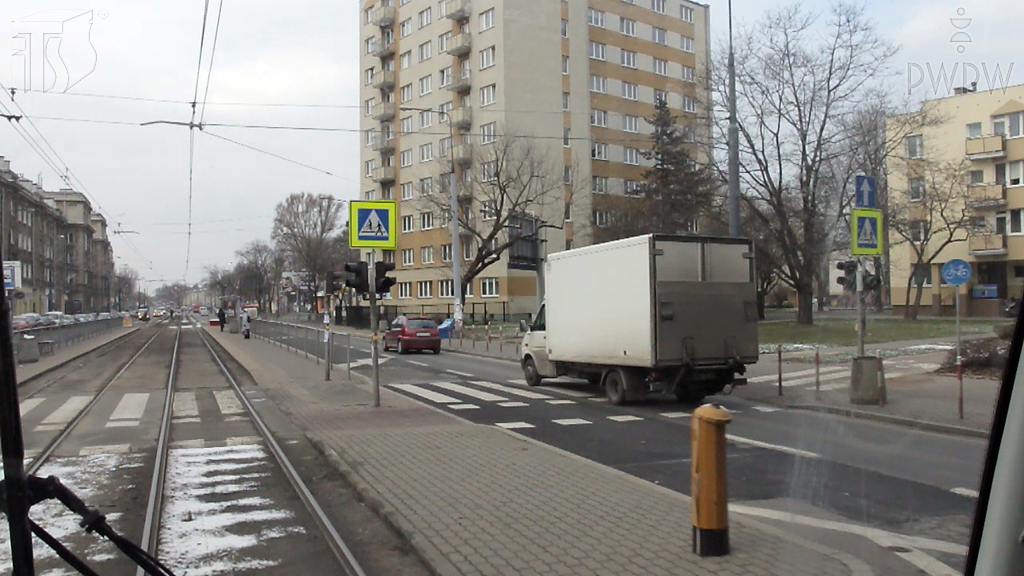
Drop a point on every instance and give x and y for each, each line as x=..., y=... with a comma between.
x=981, y=140
x=446, y=84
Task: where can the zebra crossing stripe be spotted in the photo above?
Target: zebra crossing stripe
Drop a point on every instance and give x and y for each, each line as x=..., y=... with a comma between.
x=427, y=394
x=511, y=390
x=28, y=404
x=471, y=392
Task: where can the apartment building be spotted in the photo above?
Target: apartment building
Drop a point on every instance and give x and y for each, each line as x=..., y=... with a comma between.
x=983, y=132
x=443, y=81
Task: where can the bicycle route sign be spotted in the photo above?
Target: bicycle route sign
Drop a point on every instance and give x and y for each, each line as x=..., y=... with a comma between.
x=956, y=272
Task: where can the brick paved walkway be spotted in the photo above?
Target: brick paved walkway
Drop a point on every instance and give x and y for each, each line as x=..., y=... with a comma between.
x=478, y=500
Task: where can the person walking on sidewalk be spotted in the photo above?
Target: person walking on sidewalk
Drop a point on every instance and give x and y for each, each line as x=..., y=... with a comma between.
x=222, y=317
x=245, y=325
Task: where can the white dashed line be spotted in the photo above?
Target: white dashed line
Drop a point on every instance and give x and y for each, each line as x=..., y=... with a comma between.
x=512, y=404
x=424, y=364
x=513, y=425
x=561, y=401
x=766, y=408
x=463, y=374
x=675, y=414
x=776, y=447
x=463, y=406
x=571, y=421
x=624, y=418
x=965, y=492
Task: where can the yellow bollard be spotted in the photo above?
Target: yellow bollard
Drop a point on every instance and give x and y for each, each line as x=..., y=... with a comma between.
x=708, y=481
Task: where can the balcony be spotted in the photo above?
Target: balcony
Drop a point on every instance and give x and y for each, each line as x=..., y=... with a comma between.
x=385, y=111
x=986, y=244
x=383, y=143
x=986, y=196
x=461, y=82
x=985, y=147
x=463, y=154
x=383, y=16
x=382, y=49
x=384, y=174
x=459, y=45
x=462, y=117
x=384, y=80
x=458, y=10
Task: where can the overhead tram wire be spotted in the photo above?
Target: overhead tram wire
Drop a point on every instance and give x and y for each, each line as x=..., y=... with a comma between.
x=192, y=135
x=278, y=156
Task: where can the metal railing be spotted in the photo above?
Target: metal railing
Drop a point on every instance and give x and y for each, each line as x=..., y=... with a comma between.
x=307, y=341
x=52, y=338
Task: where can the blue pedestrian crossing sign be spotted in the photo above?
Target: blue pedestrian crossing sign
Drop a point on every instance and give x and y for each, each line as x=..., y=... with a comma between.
x=373, y=224
x=865, y=192
x=866, y=232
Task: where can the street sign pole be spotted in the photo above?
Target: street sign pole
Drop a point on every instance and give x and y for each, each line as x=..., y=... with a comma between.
x=374, y=356
x=959, y=360
x=862, y=320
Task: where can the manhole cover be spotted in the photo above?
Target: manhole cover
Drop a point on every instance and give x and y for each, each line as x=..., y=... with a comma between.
x=899, y=549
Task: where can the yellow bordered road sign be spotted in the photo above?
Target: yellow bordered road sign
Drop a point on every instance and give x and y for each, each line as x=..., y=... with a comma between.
x=865, y=232
x=373, y=224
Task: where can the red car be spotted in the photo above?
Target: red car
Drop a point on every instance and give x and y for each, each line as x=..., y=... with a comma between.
x=414, y=333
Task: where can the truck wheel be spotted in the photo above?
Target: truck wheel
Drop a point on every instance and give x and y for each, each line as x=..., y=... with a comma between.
x=530, y=372
x=615, y=388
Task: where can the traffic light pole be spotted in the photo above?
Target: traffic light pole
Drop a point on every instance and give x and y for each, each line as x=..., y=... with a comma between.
x=374, y=356
x=862, y=320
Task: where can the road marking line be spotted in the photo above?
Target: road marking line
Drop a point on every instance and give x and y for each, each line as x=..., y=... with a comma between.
x=766, y=408
x=131, y=407
x=731, y=411
x=776, y=447
x=110, y=449
x=29, y=404
x=573, y=393
x=965, y=492
x=462, y=406
x=512, y=404
x=624, y=418
x=227, y=401
x=418, y=363
x=48, y=427
x=122, y=423
x=66, y=412
x=571, y=421
x=185, y=405
x=187, y=420
x=514, y=425
x=189, y=444
x=463, y=374
x=235, y=418
x=518, y=382
x=810, y=379
x=675, y=414
x=242, y=440
x=561, y=401
x=471, y=392
x=427, y=394
x=510, y=390
x=775, y=377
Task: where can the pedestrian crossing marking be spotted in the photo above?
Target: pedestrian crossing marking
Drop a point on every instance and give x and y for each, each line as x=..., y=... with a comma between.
x=28, y=404
x=775, y=377
x=766, y=408
x=561, y=401
x=186, y=420
x=185, y=405
x=463, y=406
x=471, y=392
x=227, y=401
x=512, y=404
x=514, y=425
x=511, y=390
x=573, y=393
x=67, y=411
x=624, y=418
x=108, y=449
x=571, y=421
x=427, y=394
x=129, y=410
x=675, y=414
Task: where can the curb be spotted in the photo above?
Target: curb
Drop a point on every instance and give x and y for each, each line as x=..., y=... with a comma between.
x=35, y=377
x=898, y=420
x=478, y=355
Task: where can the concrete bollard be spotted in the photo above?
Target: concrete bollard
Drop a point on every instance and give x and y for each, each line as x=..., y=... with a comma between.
x=708, y=486
x=28, y=349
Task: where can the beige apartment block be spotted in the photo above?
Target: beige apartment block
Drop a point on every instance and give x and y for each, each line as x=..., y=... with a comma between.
x=574, y=79
x=984, y=131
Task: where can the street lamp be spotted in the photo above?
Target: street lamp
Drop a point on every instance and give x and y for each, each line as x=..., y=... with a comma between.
x=454, y=207
x=734, y=143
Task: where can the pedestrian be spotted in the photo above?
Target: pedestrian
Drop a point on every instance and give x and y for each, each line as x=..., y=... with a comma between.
x=245, y=325
x=222, y=317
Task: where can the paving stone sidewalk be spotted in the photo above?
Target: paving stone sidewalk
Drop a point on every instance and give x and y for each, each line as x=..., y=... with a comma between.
x=475, y=499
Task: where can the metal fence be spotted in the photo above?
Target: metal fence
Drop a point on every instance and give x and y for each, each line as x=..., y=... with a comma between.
x=53, y=338
x=306, y=340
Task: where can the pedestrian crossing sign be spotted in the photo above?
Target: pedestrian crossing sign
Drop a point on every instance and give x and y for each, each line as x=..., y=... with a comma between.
x=373, y=224
x=866, y=232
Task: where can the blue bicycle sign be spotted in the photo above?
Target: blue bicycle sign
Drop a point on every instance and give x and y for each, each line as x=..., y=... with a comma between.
x=956, y=272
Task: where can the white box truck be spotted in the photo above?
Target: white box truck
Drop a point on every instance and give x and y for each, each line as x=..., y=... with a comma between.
x=653, y=313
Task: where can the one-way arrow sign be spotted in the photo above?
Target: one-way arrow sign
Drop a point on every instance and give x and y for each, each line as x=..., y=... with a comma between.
x=864, y=196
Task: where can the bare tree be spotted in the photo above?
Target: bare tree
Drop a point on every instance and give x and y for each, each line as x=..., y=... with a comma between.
x=303, y=227
x=220, y=281
x=126, y=280
x=929, y=217
x=503, y=201
x=797, y=77
x=257, y=273
x=172, y=293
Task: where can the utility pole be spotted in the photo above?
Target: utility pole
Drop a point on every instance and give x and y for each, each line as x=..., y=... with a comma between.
x=734, y=143
x=374, y=354
x=862, y=321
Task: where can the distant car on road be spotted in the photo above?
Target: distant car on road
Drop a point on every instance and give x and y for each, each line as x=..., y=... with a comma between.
x=103, y=316
x=143, y=314
x=204, y=311
x=412, y=333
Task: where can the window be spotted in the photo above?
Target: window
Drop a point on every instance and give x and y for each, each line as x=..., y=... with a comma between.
x=599, y=118
x=598, y=84
x=487, y=19
x=658, y=6
x=406, y=190
x=1011, y=125
x=1010, y=173
x=426, y=152
x=368, y=168
x=445, y=76
x=568, y=212
x=425, y=86
x=600, y=218
x=426, y=118
x=599, y=185
x=487, y=57
x=597, y=51
x=915, y=146
x=489, y=287
x=599, y=151
x=631, y=188
x=974, y=130
x=444, y=145
x=1015, y=221
x=371, y=135
x=661, y=66
x=405, y=158
x=660, y=96
x=423, y=289
x=426, y=186
x=405, y=27
x=565, y=28
x=688, y=134
x=565, y=101
x=424, y=17
x=467, y=254
x=368, y=106
x=915, y=188
x=405, y=59
x=488, y=210
x=426, y=220
x=629, y=91
x=595, y=18
x=445, y=289
x=368, y=77
x=565, y=64
x=367, y=15
x=446, y=252
x=369, y=44
x=442, y=42
x=386, y=193
x=407, y=257
x=975, y=177
x=488, y=132
x=488, y=95
x=565, y=137
x=427, y=255
x=686, y=43
x=404, y=290
x=443, y=110
x=689, y=104
x=405, y=93
x=407, y=224
x=405, y=125
x=627, y=26
x=659, y=36
x=631, y=156
x=686, y=13
x=688, y=74
x=488, y=170
x=630, y=123
x=426, y=50
x=567, y=174
x=627, y=58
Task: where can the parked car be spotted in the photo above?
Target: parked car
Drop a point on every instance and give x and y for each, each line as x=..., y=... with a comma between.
x=81, y=318
x=57, y=318
x=23, y=321
x=103, y=316
x=412, y=333
x=204, y=311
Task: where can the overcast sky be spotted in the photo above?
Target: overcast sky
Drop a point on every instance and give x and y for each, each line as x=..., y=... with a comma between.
x=303, y=52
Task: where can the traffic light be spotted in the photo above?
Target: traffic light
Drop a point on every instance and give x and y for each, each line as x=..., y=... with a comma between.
x=872, y=282
x=383, y=282
x=335, y=282
x=849, y=277
x=358, y=276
